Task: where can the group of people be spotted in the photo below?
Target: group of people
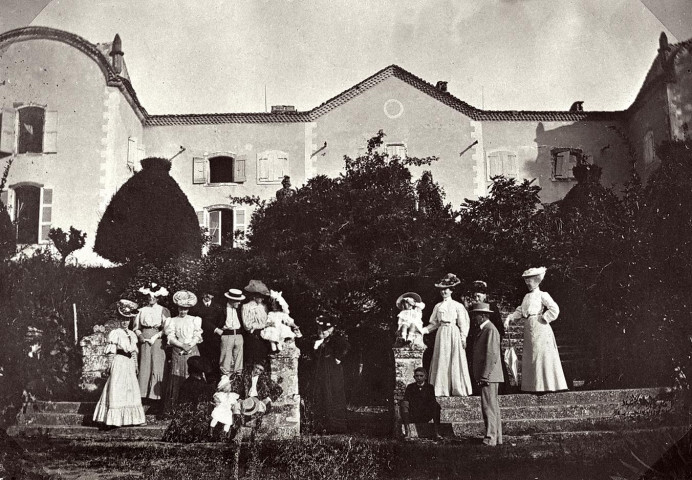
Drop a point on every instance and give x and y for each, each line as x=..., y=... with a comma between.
x=161, y=359
x=449, y=371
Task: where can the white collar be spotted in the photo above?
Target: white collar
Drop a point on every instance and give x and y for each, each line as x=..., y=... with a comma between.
x=483, y=324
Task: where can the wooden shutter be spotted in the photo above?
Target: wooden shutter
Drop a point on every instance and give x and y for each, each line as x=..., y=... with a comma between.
x=570, y=163
x=239, y=168
x=50, y=132
x=281, y=166
x=8, y=135
x=201, y=219
x=559, y=165
x=510, y=165
x=199, y=170
x=45, y=214
x=263, y=167
x=239, y=221
x=215, y=226
x=131, y=153
x=494, y=165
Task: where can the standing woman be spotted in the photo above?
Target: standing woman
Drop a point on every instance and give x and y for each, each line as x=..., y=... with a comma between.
x=449, y=369
x=541, y=370
x=120, y=403
x=148, y=326
x=184, y=333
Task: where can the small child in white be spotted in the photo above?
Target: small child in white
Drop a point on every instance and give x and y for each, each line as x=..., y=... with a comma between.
x=226, y=404
x=279, y=325
x=410, y=318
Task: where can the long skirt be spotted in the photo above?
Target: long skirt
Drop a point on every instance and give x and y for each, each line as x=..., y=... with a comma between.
x=120, y=403
x=449, y=370
x=541, y=369
x=177, y=373
x=152, y=361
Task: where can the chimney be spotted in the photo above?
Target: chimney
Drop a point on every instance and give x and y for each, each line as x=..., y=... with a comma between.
x=283, y=108
x=441, y=86
x=663, y=46
x=117, y=55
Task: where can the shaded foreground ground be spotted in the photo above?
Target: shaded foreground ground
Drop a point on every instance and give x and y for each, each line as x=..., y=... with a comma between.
x=584, y=455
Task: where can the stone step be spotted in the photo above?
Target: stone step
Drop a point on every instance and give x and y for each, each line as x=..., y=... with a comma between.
x=85, y=408
x=66, y=419
x=78, y=432
x=534, y=412
x=582, y=397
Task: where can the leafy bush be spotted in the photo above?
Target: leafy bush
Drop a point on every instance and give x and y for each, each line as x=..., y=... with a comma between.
x=149, y=220
x=66, y=244
x=8, y=234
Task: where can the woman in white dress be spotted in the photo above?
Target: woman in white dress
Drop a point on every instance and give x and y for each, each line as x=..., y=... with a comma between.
x=148, y=326
x=120, y=403
x=184, y=333
x=541, y=370
x=449, y=369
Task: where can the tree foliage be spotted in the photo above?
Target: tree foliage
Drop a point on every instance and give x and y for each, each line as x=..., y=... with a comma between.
x=66, y=243
x=149, y=220
x=8, y=233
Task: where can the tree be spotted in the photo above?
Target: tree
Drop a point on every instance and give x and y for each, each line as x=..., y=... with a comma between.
x=66, y=244
x=8, y=234
x=149, y=219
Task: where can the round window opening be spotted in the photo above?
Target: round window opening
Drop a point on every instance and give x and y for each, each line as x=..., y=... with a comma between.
x=393, y=108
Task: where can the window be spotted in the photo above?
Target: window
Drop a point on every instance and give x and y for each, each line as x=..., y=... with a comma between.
x=396, y=150
x=30, y=206
x=502, y=162
x=218, y=170
x=223, y=224
x=649, y=148
x=272, y=165
x=28, y=129
x=564, y=161
x=135, y=154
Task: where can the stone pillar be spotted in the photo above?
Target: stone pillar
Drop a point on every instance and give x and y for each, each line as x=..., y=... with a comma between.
x=94, y=358
x=406, y=360
x=283, y=420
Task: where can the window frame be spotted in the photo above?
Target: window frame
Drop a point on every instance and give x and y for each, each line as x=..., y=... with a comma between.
x=555, y=153
x=206, y=216
x=649, y=148
x=504, y=155
x=43, y=227
x=273, y=156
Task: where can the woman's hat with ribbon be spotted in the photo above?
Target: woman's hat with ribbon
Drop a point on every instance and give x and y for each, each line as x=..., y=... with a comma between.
x=127, y=308
x=154, y=290
x=185, y=299
x=409, y=297
x=535, y=272
x=449, y=281
x=257, y=286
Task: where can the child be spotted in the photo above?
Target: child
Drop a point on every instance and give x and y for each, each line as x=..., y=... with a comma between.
x=279, y=325
x=410, y=319
x=419, y=404
x=226, y=404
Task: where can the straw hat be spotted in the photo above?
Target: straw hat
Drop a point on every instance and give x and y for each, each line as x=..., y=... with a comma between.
x=535, y=272
x=449, y=281
x=481, y=307
x=185, y=299
x=234, y=295
x=252, y=405
x=127, y=308
x=412, y=295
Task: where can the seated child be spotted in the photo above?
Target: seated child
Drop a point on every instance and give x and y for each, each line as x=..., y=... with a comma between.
x=279, y=325
x=410, y=318
x=419, y=404
x=226, y=404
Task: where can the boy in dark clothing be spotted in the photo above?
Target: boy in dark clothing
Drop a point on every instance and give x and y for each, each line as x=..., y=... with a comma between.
x=419, y=404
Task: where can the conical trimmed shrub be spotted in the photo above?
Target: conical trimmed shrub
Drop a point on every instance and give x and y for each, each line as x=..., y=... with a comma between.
x=8, y=238
x=149, y=220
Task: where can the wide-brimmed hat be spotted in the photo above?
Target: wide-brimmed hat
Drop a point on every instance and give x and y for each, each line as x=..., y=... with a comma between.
x=252, y=405
x=198, y=364
x=534, y=272
x=224, y=382
x=325, y=322
x=480, y=307
x=257, y=286
x=412, y=295
x=154, y=289
x=234, y=294
x=478, y=285
x=449, y=281
x=127, y=308
x=185, y=299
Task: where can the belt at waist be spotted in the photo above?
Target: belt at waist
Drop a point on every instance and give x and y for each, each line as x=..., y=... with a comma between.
x=150, y=328
x=232, y=331
x=124, y=353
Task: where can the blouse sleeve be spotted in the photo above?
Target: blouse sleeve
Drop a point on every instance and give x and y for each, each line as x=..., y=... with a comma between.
x=197, y=335
x=136, y=325
x=463, y=321
x=434, y=320
x=514, y=315
x=113, y=341
x=552, y=310
x=165, y=315
x=169, y=329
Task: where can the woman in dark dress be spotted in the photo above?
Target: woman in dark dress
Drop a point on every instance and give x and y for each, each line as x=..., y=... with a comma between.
x=326, y=392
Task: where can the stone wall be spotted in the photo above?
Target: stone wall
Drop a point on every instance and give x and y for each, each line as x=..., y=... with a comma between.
x=283, y=419
x=94, y=358
x=406, y=360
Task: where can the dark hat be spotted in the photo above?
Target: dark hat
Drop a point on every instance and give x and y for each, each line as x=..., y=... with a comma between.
x=257, y=286
x=449, y=281
x=480, y=307
x=325, y=322
x=198, y=364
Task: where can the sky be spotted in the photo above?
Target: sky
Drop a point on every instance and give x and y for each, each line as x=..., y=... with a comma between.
x=216, y=56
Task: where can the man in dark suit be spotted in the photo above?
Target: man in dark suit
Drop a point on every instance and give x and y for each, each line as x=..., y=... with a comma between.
x=255, y=382
x=487, y=370
x=211, y=313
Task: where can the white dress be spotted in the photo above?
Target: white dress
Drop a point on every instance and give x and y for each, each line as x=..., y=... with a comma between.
x=120, y=403
x=278, y=327
x=541, y=370
x=449, y=369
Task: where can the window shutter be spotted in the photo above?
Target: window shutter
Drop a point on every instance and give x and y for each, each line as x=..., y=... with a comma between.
x=510, y=167
x=239, y=168
x=282, y=167
x=46, y=213
x=559, y=165
x=239, y=222
x=131, y=153
x=200, y=219
x=3, y=197
x=50, y=132
x=215, y=226
x=494, y=165
x=8, y=134
x=263, y=168
x=199, y=170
